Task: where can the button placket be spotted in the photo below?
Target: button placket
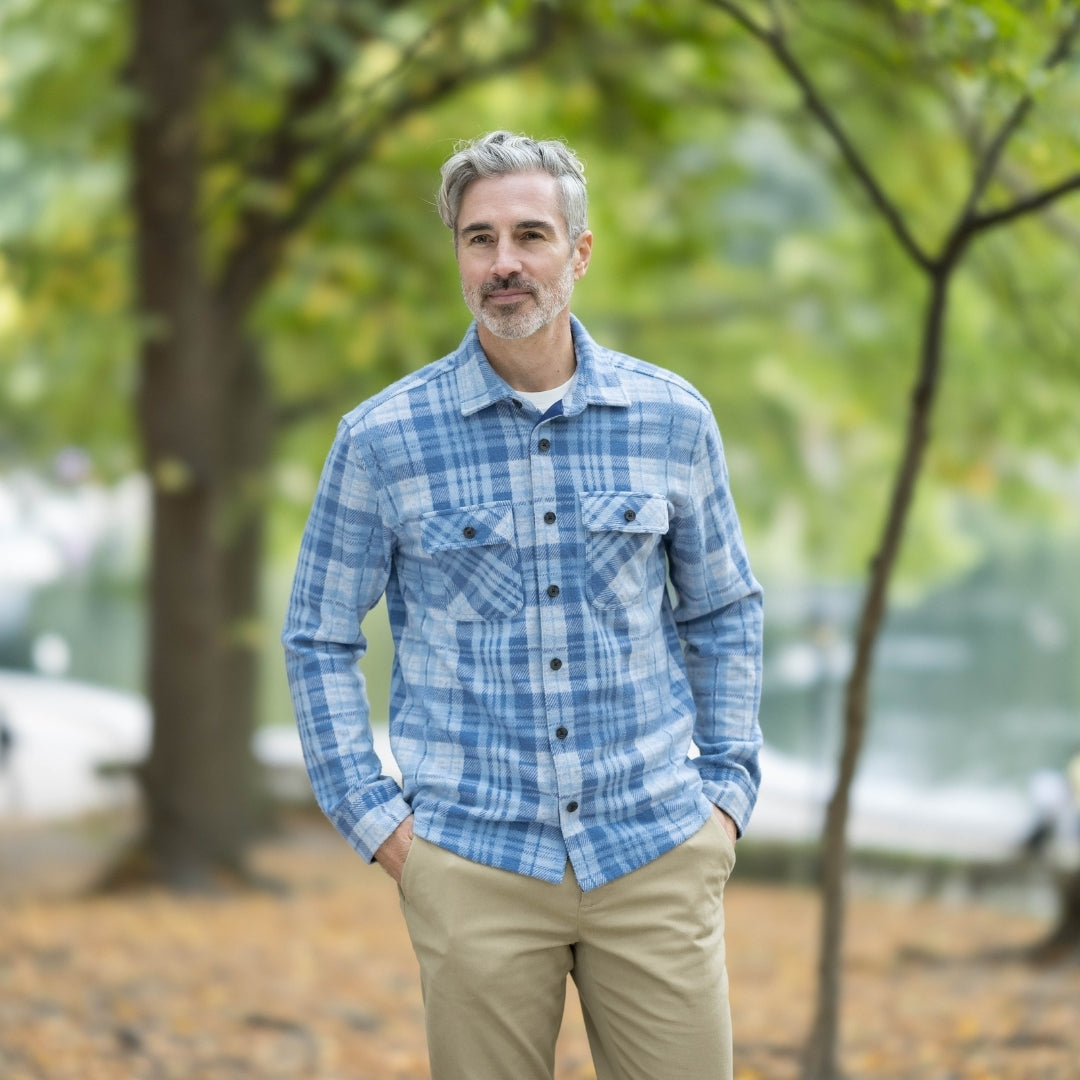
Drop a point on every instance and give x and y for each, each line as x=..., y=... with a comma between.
x=553, y=630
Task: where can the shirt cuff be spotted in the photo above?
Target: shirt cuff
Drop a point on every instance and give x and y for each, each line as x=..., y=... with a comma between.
x=365, y=826
x=732, y=799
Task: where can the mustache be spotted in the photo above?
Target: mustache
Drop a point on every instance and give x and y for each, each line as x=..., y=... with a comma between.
x=515, y=282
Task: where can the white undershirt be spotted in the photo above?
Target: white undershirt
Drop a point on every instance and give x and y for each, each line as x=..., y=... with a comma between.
x=544, y=399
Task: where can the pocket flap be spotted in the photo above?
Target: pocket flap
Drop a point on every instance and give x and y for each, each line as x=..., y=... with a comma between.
x=471, y=526
x=624, y=511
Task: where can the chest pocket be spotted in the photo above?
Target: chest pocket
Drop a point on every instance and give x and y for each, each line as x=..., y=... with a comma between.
x=622, y=529
x=475, y=551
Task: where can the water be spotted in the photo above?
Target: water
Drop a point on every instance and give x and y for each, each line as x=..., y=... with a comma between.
x=977, y=684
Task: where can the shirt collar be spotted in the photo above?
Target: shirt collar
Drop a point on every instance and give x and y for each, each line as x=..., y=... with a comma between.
x=598, y=381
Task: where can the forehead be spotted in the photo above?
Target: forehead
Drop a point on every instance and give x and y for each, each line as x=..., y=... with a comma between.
x=507, y=200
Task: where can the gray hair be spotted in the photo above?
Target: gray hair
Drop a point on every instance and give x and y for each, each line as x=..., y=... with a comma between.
x=500, y=153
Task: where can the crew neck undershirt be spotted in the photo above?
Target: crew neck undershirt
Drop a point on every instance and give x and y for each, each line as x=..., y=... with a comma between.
x=544, y=399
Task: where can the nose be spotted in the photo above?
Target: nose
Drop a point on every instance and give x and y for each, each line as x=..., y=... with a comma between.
x=507, y=261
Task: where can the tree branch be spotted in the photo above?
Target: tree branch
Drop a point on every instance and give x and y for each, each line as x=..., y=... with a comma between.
x=1059, y=225
x=256, y=253
x=987, y=166
x=1027, y=205
x=774, y=40
x=287, y=145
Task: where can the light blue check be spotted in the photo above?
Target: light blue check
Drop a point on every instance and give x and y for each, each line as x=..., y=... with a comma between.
x=572, y=610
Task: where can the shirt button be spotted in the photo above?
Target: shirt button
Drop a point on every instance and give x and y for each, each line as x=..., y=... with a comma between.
x=561, y=733
x=553, y=591
x=629, y=515
x=468, y=532
x=518, y=404
x=549, y=518
x=544, y=445
x=571, y=807
x=555, y=664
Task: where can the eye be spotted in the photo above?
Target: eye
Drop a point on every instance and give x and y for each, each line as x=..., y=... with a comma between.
x=479, y=239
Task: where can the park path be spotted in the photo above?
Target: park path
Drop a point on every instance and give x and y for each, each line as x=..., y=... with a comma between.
x=317, y=982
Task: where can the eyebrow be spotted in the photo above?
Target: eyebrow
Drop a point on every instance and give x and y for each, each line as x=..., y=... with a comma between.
x=483, y=226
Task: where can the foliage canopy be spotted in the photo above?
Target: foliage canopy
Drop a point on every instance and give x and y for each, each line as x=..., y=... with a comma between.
x=731, y=244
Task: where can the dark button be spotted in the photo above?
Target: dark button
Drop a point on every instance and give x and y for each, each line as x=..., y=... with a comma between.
x=468, y=532
x=561, y=733
x=553, y=591
x=545, y=445
x=518, y=404
x=629, y=515
x=571, y=807
x=549, y=518
x=555, y=664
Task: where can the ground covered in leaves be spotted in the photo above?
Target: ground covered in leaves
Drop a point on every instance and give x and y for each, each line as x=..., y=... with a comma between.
x=318, y=982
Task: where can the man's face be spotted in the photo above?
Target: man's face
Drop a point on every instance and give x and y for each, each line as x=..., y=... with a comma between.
x=517, y=264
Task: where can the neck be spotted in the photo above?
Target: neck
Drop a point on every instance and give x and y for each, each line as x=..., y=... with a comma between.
x=542, y=361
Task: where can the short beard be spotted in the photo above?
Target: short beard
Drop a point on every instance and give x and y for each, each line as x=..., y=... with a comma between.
x=526, y=317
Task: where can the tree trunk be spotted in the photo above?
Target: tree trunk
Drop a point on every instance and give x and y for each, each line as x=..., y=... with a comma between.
x=203, y=416
x=199, y=783
x=823, y=1052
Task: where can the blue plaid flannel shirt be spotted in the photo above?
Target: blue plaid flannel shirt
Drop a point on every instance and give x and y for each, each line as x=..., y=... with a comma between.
x=571, y=606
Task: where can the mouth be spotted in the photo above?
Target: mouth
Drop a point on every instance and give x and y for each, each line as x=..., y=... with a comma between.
x=508, y=296
x=507, y=292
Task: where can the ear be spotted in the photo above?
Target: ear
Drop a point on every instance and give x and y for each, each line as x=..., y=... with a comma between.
x=582, y=254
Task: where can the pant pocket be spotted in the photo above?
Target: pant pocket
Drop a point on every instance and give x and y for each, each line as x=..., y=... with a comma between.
x=407, y=869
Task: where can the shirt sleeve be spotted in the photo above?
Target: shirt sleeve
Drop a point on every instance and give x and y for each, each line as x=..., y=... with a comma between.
x=719, y=617
x=342, y=571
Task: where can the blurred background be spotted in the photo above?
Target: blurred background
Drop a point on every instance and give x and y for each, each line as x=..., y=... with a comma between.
x=218, y=234
x=227, y=223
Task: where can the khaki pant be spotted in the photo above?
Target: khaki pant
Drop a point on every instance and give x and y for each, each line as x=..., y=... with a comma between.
x=646, y=952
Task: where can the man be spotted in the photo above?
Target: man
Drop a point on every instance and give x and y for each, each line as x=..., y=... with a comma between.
x=571, y=607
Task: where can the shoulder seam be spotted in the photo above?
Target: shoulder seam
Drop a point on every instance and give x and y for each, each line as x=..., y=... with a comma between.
x=650, y=370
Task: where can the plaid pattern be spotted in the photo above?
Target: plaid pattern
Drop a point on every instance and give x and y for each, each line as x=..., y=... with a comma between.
x=571, y=605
